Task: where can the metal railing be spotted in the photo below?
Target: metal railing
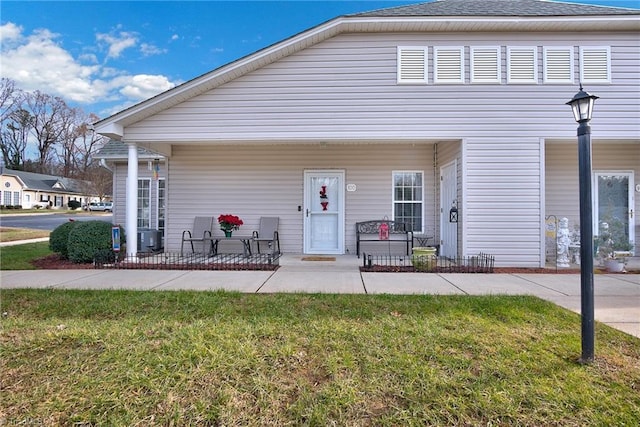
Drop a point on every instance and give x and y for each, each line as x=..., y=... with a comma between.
x=192, y=261
x=481, y=263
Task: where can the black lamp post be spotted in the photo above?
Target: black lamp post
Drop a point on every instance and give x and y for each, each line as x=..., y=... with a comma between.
x=582, y=106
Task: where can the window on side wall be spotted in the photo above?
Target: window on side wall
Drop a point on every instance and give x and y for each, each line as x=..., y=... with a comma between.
x=408, y=198
x=144, y=203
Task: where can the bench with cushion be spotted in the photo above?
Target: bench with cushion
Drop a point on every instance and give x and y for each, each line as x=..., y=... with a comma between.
x=369, y=231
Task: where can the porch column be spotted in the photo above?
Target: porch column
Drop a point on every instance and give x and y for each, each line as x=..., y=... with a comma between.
x=131, y=226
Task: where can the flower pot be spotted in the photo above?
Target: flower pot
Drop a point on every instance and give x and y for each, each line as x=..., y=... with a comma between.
x=614, y=266
x=227, y=233
x=424, y=258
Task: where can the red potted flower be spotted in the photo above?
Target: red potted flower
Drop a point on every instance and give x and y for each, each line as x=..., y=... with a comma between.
x=228, y=223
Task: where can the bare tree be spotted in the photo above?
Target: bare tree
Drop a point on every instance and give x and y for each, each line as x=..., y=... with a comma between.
x=15, y=136
x=48, y=125
x=67, y=149
x=14, y=120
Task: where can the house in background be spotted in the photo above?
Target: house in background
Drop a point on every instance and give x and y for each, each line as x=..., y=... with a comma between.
x=150, y=185
x=403, y=113
x=35, y=190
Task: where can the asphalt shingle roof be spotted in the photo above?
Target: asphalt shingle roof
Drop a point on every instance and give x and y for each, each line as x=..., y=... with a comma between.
x=42, y=182
x=529, y=8
x=118, y=150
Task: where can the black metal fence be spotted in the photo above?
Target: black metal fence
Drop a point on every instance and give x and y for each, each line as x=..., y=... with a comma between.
x=482, y=263
x=176, y=261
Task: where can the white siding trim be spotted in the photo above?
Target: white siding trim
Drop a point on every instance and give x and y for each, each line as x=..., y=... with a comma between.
x=485, y=64
x=412, y=64
x=558, y=64
x=543, y=204
x=448, y=64
x=522, y=64
x=595, y=64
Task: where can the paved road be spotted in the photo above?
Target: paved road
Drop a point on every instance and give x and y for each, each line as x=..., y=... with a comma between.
x=49, y=221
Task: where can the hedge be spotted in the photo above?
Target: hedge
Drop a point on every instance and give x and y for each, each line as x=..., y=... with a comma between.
x=89, y=239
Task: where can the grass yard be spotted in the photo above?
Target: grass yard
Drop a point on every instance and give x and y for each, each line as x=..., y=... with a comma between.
x=11, y=234
x=126, y=358
x=19, y=257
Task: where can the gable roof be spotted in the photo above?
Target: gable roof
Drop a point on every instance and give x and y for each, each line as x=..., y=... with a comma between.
x=497, y=8
x=49, y=183
x=439, y=15
x=118, y=150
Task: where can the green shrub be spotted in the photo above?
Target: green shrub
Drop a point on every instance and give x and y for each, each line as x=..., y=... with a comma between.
x=59, y=238
x=89, y=239
x=74, y=204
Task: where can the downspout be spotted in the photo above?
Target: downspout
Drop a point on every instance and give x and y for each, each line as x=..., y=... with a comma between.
x=436, y=191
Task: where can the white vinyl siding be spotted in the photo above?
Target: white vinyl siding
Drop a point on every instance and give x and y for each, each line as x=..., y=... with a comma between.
x=412, y=64
x=266, y=180
x=485, y=65
x=503, y=200
x=448, y=65
x=595, y=64
x=316, y=95
x=522, y=64
x=558, y=64
x=408, y=198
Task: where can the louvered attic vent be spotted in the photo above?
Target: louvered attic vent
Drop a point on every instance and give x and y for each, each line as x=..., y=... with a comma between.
x=485, y=65
x=558, y=65
x=522, y=63
x=448, y=65
x=412, y=65
x=595, y=65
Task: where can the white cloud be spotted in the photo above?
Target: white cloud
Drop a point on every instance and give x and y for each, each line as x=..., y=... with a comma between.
x=9, y=32
x=149, y=49
x=175, y=37
x=39, y=62
x=143, y=86
x=117, y=43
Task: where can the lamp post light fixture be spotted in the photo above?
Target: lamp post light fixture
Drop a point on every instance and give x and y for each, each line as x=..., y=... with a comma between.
x=582, y=106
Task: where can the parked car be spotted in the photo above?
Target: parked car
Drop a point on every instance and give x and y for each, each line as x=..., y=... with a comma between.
x=101, y=206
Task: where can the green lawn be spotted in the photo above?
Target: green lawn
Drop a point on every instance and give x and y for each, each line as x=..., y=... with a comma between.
x=126, y=358
x=19, y=257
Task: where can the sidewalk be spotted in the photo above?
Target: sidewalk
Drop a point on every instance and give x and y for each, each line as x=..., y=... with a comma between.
x=617, y=296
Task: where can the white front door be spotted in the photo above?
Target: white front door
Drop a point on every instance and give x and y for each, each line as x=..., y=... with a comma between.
x=448, y=198
x=324, y=212
x=614, y=203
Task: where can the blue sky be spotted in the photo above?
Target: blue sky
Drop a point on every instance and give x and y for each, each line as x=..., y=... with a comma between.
x=105, y=56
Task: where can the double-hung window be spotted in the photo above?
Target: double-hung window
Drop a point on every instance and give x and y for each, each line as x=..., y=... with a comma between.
x=144, y=203
x=408, y=197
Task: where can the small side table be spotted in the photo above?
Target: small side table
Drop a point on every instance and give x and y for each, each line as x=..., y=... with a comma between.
x=422, y=239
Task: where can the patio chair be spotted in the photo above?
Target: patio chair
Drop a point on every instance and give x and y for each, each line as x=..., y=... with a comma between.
x=201, y=232
x=268, y=233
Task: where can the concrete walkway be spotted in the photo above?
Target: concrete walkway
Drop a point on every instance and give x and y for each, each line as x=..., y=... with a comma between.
x=617, y=296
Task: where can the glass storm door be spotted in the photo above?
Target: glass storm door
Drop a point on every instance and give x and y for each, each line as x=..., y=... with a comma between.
x=324, y=212
x=614, y=204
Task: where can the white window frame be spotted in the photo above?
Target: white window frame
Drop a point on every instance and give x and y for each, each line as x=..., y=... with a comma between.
x=16, y=198
x=510, y=78
x=141, y=208
x=607, y=49
x=548, y=63
x=436, y=65
x=475, y=55
x=162, y=208
x=394, y=202
x=402, y=62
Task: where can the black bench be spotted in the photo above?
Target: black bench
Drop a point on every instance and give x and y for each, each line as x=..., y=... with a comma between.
x=369, y=231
